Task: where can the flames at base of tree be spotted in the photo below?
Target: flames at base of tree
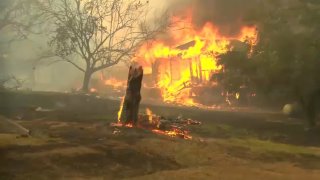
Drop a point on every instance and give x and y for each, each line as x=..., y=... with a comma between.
x=152, y=122
x=175, y=132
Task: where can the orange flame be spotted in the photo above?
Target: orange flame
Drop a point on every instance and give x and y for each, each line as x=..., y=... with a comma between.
x=115, y=83
x=93, y=90
x=189, y=59
x=173, y=133
x=154, y=122
x=149, y=113
x=120, y=110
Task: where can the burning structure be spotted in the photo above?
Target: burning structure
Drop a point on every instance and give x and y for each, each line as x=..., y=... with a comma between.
x=181, y=64
x=186, y=58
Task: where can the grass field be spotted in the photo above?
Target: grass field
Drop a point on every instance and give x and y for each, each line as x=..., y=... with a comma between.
x=228, y=145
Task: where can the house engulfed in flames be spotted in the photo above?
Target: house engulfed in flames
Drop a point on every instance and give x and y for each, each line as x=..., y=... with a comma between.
x=188, y=60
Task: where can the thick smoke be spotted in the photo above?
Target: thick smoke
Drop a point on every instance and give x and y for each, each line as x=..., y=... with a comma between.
x=228, y=15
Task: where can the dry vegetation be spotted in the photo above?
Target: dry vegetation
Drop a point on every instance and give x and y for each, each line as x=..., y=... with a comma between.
x=227, y=145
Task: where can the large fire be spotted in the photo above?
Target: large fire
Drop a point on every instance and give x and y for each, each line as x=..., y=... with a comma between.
x=188, y=58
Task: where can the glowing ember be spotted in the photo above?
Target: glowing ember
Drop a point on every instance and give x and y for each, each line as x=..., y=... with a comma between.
x=115, y=83
x=171, y=129
x=129, y=125
x=93, y=90
x=149, y=113
x=237, y=95
x=120, y=124
x=189, y=58
x=174, y=133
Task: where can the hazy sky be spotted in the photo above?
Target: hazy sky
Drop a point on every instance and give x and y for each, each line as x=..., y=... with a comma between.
x=224, y=13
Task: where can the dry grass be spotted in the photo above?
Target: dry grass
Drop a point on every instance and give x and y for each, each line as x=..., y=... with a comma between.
x=227, y=146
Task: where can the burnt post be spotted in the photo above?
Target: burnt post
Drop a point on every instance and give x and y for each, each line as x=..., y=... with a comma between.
x=133, y=96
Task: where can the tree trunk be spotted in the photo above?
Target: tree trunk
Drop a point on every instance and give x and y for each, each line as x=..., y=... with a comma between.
x=86, y=81
x=132, y=98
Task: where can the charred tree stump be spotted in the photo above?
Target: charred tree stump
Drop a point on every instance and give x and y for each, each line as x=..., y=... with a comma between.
x=133, y=96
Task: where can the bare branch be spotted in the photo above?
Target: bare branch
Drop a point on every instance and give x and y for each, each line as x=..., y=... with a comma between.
x=69, y=61
x=101, y=32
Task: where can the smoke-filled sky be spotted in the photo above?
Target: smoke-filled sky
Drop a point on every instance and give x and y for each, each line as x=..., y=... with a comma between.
x=228, y=15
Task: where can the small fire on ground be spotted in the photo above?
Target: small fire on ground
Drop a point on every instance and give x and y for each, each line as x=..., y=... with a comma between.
x=172, y=127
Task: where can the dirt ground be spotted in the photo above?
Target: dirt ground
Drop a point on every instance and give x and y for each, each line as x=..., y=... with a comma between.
x=228, y=145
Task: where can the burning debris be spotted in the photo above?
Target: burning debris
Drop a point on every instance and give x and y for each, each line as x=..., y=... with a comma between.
x=173, y=127
x=178, y=127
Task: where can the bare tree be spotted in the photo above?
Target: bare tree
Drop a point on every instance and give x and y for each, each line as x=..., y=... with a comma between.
x=17, y=16
x=16, y=22
x=99, y=32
